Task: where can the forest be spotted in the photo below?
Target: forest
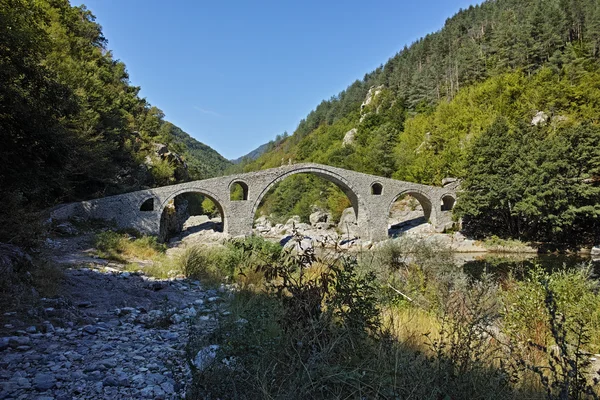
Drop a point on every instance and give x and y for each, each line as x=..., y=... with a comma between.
x=72, y=126
x=459, y=102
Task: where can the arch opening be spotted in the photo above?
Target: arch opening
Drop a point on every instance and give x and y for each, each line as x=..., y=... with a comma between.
x=147, y=205
x=409, y=213
x=377, y=189
x=189, y=214
x=238, y=191
x=314, y=202
x=447, y=203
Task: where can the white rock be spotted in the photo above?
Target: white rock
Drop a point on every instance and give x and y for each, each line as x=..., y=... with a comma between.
x=205, y=357
x=318, y=216
x=294, y=220
x=349, y=137
x=371, y=94
x=539, y=119
x=347, y=225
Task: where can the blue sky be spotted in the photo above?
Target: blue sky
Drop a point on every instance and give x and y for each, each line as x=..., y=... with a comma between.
x=235, y=74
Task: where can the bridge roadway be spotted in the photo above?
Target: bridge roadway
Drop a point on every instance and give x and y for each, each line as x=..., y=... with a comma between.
x=371, y=197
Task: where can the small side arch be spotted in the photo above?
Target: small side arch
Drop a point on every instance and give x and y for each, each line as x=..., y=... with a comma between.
x=147, y=204
x=447, y=202
x=238, y=190
x=376, y=189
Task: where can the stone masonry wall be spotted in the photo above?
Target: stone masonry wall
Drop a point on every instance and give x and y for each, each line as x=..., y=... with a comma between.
x=371, y=210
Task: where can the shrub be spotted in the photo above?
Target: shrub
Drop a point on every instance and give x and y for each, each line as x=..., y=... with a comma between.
x=212, y=265
x=564, y=371
x=120, y=246
x=525, y=312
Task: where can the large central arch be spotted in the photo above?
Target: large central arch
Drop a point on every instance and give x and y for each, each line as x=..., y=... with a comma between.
x=360, y=210
x=421, y=197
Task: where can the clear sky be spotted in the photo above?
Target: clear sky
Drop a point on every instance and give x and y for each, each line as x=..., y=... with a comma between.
x=234, y=74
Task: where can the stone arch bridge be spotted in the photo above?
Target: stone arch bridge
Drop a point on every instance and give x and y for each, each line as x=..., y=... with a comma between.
x=371, y=197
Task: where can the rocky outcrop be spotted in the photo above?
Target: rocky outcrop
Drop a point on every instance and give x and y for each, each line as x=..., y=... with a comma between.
x=349, y=137
x=173, y=218
x=161, y=151
x=319, y=216
x=263, y=224
x=13, y=259
x=373, y=92
x=448, y=181
x=347, y=225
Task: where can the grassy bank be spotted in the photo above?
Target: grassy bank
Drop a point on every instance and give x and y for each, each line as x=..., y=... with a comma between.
x=399, y=322
x=385, y=325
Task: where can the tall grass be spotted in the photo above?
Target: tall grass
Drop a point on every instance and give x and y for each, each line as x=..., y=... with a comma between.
x=305, y=328
x=123, y=246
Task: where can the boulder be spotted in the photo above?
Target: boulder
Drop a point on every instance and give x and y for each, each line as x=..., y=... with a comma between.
x=13, y=259
x=302, y=227
x=160, y=149
x=347, y=225
x=262, y=224
x=300, y=246
x=318, y=216
x=205, y=357
x=66, y=229
x=323, y=225
x=294, y=220
x=540, y=119
x=596, y=250
x=262, y=220
x=348, y=216
x=447, y=181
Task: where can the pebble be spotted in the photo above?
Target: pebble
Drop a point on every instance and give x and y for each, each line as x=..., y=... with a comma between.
x=91, y=329
x=44, y=381
x=132, y=354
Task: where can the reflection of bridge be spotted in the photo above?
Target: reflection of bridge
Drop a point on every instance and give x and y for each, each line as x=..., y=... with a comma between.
x=371, y=197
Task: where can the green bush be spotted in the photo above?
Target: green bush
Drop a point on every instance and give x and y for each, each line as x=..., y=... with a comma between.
x=526, y=316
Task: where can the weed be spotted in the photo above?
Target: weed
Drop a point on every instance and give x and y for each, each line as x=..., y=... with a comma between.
x=564, y=368
x=123, y=246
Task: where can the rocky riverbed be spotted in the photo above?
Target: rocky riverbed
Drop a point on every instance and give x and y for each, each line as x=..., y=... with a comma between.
x=404, y=222
x=110, y=334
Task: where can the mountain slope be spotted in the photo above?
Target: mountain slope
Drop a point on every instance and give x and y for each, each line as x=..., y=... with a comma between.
x=416, y=117
x=72, y=127
x=203, y=161
x=253, y=155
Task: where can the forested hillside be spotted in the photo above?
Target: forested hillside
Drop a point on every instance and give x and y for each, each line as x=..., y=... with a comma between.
x=72, y=126
x=530, y=67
